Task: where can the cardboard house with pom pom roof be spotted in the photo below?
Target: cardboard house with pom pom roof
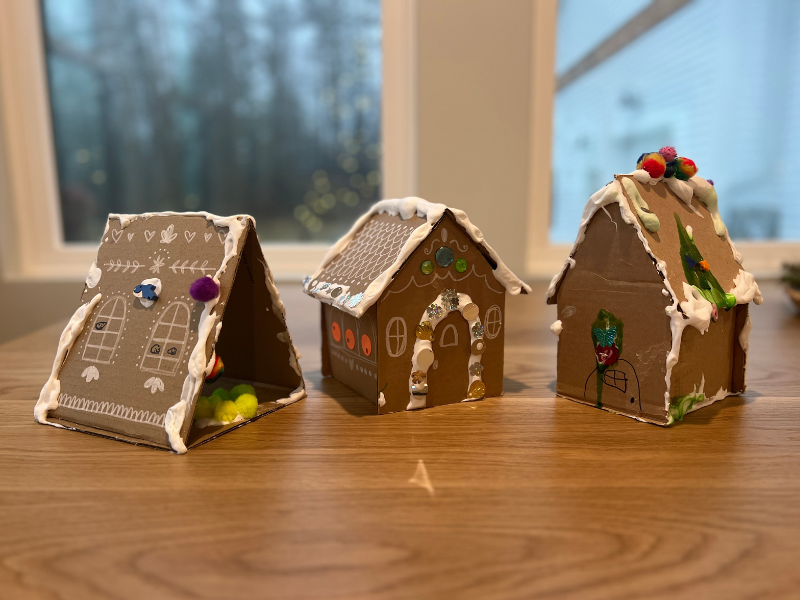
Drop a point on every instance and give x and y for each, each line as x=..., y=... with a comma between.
x=413, y=307
x=140, y=350
x=653, y=301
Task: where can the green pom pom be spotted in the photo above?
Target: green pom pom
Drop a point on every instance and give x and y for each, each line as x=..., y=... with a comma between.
x=204, y=408
x=221, y=393
x=226, y=411
x=247, y=405
x=242, y=388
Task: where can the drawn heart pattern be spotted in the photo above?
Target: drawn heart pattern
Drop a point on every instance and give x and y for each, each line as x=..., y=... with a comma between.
x=148, y=235
x=207, y=236
x=222, y=235
x=189, y=236
x=116, y=234
x=130, y=236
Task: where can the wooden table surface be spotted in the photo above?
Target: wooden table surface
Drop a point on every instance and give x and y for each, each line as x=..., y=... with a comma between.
x=532, y=496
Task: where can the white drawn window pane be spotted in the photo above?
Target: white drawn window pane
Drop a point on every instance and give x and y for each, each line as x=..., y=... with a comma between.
x=103, y=338
x=759, y=96
x=493, y=322
x=396, y=337
x=268, y=105
x=166, y=345
x=449, y=336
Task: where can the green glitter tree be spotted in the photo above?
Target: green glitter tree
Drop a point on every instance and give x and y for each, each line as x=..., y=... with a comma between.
x=698, y=271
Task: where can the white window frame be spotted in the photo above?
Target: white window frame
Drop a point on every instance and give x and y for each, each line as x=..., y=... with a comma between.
x=32, y=246
x=31, y=241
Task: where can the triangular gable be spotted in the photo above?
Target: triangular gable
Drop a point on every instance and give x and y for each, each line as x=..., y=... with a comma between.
x=662, y=202
x=135, y=372
x=360, y=266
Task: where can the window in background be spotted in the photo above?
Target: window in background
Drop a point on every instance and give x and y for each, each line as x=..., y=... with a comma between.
x=266, y=107
x=720, y=81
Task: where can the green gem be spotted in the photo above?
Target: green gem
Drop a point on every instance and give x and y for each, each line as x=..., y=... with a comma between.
x=426, y=267
x=461, y=265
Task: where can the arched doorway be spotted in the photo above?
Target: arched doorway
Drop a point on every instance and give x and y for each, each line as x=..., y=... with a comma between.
x=446, y=364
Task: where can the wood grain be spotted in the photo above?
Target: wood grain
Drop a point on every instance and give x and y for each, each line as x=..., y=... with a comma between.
x=534, y=496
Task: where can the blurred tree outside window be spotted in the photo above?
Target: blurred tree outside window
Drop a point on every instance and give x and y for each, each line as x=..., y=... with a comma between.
x=717, y=80
x=265, y=107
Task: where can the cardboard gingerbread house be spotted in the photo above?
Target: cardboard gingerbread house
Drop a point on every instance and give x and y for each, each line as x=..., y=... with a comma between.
x=653, y=302
x=413, y=305
x=180, y=336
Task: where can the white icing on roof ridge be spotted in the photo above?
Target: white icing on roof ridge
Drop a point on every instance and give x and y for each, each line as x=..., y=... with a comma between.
x=405, y=208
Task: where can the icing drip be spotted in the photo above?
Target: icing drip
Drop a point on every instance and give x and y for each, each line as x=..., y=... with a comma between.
x=706, y=193
x=93, y=278
x=557, y=327
x=649, y=220
x=48, y=397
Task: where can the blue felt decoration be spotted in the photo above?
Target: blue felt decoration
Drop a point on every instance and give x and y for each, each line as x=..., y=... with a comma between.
x=148, y=291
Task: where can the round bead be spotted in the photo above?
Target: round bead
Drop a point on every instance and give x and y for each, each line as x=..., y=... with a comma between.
x=444, y=257
x=426, y=267
x=425, y=358
x=366, y=345
x=336, y=332
x=461, y=265
x=335, y=292
x=470, y=311
x=350, y=339
x=478, y=347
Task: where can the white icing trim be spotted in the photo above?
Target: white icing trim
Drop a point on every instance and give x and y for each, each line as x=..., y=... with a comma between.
x=93, y=278
x=557, y=327
x=405, y=209
x=48, y=397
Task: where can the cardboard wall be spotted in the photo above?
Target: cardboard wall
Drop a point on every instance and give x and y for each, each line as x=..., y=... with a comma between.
x=351, y=349
x=613, y=272
x=403, y=304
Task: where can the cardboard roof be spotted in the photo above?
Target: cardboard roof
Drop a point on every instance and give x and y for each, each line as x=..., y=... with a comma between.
x=361, y=265
x=665, y=198
x=132, y=369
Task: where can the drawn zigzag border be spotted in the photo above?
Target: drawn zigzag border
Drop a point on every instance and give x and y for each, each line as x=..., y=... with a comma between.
x=111, y=409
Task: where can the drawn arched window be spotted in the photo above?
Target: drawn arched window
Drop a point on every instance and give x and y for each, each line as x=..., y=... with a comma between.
x=493, y=322
x=164, y=351
x=449, y=336
x=105, y=332
x=366, y=336
x=396, y=337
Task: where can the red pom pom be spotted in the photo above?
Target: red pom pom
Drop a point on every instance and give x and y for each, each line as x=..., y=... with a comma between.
x=204, y=289
x=654, y=164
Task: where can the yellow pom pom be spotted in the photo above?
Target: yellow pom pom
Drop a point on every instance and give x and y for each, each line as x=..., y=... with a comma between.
x=204, y=408
x=240, y=389
x=221, y=393
x=226, y=411
x=247, y=404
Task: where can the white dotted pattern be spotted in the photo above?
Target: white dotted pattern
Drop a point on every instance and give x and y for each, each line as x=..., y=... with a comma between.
x=373, y=250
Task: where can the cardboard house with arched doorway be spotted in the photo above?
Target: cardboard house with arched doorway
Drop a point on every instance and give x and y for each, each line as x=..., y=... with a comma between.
x=413, y=307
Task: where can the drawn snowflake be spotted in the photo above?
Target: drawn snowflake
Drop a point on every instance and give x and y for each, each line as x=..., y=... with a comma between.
x=157, y=264
x=450, y=299
x=475, y=369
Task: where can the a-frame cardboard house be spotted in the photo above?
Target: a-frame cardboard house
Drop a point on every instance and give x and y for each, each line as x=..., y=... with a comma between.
x=413, y=307
x=653, y=301
x=141, y=350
